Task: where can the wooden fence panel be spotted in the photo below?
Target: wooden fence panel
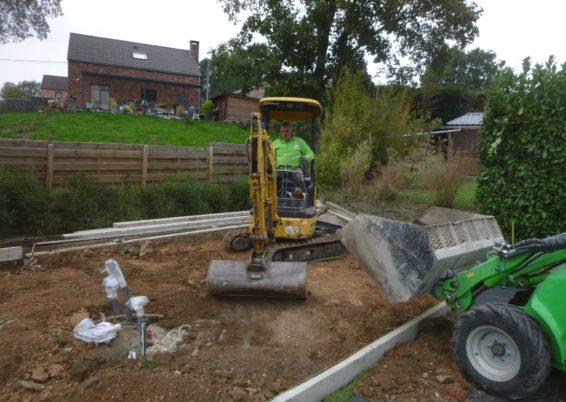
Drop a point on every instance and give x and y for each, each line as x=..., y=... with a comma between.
x=229, y=160
x=56, y=163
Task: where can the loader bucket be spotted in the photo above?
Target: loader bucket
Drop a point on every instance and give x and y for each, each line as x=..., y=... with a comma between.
x=279, y=279
x=406, y=260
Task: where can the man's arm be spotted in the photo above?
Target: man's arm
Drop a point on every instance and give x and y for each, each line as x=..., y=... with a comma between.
x=306, y=151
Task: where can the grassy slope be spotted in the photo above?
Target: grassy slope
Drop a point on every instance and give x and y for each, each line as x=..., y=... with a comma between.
x=106, y=127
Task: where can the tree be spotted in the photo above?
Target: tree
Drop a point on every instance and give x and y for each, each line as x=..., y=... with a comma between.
x=238, y=66
x=314, y=40
x=454, y=82
x=455, y=67
x=11, y=91
x=18, y=19
x=24, y=89
x=522, y=150
x=30, y=88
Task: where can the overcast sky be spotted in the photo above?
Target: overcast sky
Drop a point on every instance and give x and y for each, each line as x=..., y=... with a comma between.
x=513, y=29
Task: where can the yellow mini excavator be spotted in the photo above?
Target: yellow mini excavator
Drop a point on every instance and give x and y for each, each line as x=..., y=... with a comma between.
x=284, y=233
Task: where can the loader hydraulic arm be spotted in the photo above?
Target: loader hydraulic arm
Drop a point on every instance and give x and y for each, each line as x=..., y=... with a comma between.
x=263, y=188
x=522, y=265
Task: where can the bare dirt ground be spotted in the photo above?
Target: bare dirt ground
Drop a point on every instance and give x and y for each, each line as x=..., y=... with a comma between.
x=237, y=349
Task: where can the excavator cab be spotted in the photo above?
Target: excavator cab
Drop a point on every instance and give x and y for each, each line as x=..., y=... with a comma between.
x=296, y=190
x=283, y=209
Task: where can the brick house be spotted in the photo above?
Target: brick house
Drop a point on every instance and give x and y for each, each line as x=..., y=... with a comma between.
x=53, y=86
x=106, y=72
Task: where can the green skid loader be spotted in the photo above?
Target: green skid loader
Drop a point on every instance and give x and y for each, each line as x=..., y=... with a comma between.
x=506, y=349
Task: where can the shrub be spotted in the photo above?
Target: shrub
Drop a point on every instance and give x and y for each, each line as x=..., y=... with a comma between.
x=523, y=149
x=355, y=115
x=445, y=175
x=84, y=203
x=240, y=194
x=353, y=168
x=25, y=204
x=27, y=208
x=207, y=109
x=127, y=203
x=392, y=177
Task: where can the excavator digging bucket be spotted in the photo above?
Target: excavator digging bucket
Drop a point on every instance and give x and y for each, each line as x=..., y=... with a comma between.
x=277, y=279
x=406, y=260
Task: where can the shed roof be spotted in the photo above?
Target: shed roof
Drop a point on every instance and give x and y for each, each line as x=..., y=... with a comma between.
x=120, y=53
x=469, y=119
x=54, y=82
x=233, y=95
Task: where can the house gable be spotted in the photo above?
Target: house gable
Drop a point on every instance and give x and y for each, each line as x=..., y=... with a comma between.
x=54, y=82
x=139, y=56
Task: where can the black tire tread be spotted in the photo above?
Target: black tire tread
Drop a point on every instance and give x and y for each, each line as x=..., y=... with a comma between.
x=529, y=338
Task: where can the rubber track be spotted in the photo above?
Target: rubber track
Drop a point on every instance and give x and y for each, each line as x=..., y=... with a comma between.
x=325, y=248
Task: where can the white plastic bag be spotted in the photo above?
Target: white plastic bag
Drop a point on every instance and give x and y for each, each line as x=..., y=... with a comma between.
x=103, y=332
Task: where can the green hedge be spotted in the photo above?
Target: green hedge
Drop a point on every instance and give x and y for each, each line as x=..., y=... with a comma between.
x=523, y=151
x=28, y=209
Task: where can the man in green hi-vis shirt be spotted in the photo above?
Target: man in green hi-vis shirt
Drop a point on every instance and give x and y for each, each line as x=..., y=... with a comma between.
x=291, y=152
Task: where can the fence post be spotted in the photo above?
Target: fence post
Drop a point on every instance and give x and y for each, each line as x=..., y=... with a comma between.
x=210, y=162
x=50, y=162
x=145, y=159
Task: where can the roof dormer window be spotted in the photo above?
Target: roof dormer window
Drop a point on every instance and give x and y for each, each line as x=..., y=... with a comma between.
x=139, y=55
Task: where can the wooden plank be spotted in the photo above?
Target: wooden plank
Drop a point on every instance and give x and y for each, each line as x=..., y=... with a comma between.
x=23, y=143
x=86, y=166
x=24, y=164
x=107, y=179
x=230, y=161
x=229, y=170
x=230, y=151
x=178, y=165
x=11, y=254
x=210, y=162
x=172, y=148
x=98, y=145
x=18, y=160
x=238, y=148
x=21, y=152
x=97, y=153
x=195, y=153
x=145, y=158
x=50, y=158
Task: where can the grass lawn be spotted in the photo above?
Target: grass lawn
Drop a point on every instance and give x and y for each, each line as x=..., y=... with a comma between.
x=465, y=197
x=122, y=128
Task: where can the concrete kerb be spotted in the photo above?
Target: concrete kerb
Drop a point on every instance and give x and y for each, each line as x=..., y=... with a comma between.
x=318, y=387
x=11, y=254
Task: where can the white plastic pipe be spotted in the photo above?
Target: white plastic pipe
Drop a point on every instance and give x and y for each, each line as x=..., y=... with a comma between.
x=111, y=287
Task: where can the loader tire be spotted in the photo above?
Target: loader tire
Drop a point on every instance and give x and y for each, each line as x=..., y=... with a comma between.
x=502, y=350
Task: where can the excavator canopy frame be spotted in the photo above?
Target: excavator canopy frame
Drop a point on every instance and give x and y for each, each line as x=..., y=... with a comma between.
x=287, y=108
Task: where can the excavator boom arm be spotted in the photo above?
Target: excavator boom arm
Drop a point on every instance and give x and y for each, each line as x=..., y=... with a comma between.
x=263, y=186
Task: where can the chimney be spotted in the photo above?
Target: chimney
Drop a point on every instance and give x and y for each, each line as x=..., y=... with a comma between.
x=194, y=49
